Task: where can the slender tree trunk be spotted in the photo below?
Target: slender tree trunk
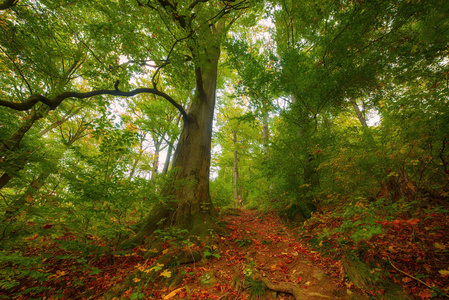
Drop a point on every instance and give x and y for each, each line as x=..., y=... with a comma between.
x=359, y=114
x=236, y=172
x=170, y=150
x=168, y=158
x=10, y=145
x=157, y=146
x=265, y=132
x=136, y=162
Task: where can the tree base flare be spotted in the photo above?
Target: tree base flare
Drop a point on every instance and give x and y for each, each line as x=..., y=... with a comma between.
x=174, y=221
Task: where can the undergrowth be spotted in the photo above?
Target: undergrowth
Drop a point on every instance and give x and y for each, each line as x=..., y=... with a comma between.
x=389, y=241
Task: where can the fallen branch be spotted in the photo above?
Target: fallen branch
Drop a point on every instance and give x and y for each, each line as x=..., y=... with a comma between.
x=223, y=296
x=407, y=274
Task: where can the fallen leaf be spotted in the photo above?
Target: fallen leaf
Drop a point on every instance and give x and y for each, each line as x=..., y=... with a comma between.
x=28, y=198
x=406, y=279
x=439, y=246
x=426, y=294
x=444, y=273
x=413, y=221
x=428, y=268
x=33, y=237
x=172, y=294
x=166, y=274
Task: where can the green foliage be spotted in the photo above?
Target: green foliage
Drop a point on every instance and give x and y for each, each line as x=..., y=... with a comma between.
x=86, y=168
x=137, y=296
x=243, y=242
x=255, y=287
x=221, y=190
x=211, y=252
x=173, y=235
x=15, y=268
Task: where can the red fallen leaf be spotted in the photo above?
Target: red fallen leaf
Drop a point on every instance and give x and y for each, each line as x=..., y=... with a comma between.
x=48, y=226
x=426, y=294
x=413, y=221
x=299, y=279
x=397, y=223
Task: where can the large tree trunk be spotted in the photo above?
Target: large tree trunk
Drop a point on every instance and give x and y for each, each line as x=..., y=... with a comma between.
x=186, y=200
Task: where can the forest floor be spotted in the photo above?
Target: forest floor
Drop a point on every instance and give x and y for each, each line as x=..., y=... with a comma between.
x=259, y=258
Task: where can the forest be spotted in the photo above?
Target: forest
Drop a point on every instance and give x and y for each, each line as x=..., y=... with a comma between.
x=224, y=149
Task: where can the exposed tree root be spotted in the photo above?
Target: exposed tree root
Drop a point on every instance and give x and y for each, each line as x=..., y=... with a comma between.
x=285, y=287
x=290, y=288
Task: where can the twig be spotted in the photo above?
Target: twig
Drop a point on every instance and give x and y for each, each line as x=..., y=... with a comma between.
x=223, y=296
x=407, y=274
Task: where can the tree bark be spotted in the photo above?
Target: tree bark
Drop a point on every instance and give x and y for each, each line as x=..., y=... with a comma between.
x=7, y=4
x=168, y=158
x=136, y=162
x=186, y=199
x=359, y=114
x=265, y=133
x=237, y=195
x=157, y=150
x=170, y=150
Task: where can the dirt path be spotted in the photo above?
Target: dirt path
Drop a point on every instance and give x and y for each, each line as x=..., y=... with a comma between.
x=260, y=249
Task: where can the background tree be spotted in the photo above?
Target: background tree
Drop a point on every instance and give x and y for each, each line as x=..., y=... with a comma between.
x=240, y=140
x=332, y=54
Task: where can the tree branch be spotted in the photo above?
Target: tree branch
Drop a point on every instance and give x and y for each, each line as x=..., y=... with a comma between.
x=194, y=3
x=61, y=121
x=7, y=4
x=167, y=60
x=54, y=103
